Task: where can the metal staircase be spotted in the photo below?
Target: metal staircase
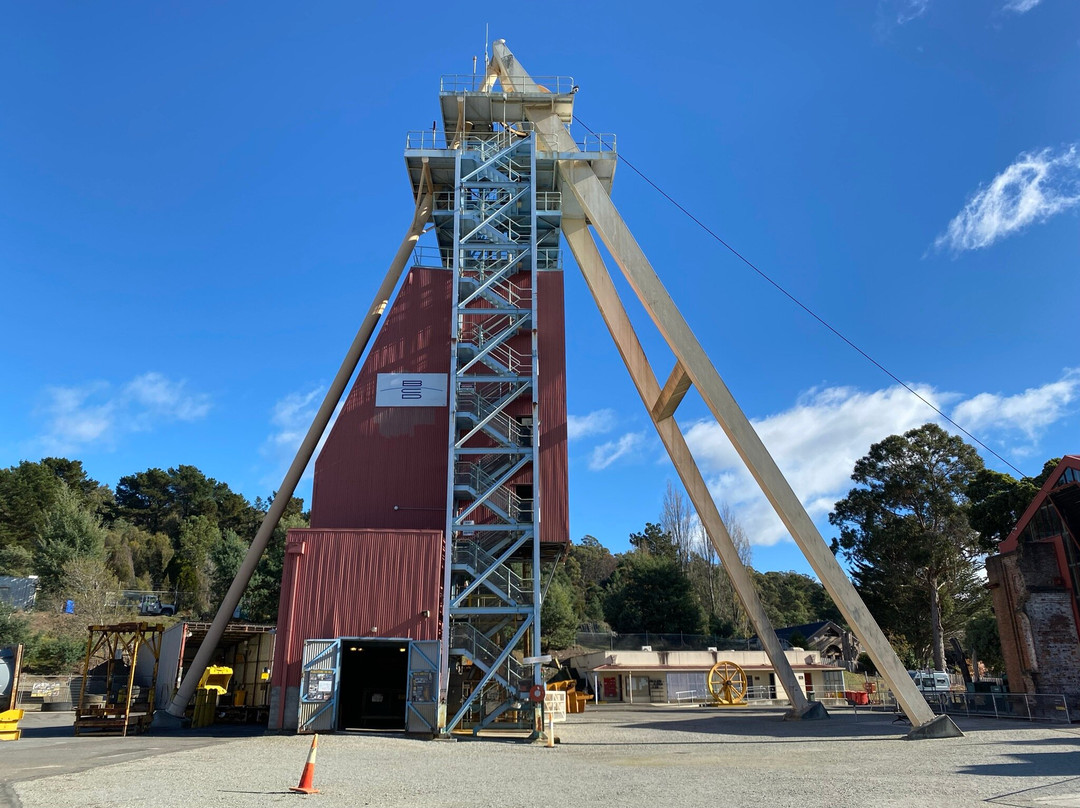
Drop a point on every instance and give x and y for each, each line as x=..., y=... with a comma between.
x=492, y=591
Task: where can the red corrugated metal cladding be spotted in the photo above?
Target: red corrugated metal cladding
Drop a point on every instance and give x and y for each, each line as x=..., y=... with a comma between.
x=551, y=347
x=375, y=459
x=354, y=583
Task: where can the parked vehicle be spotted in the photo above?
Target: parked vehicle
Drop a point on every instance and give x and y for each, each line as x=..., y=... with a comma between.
x=931, y=681
x=152, y=605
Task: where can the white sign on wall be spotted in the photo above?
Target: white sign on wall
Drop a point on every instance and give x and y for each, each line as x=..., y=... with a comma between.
x=411, y=389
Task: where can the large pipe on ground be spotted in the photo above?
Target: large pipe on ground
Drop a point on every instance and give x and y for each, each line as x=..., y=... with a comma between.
x=303, y=455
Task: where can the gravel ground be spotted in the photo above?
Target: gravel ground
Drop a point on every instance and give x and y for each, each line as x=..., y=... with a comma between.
x=644, y=756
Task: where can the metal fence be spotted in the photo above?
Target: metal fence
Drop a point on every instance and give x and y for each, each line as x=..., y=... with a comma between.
x=1049, y=707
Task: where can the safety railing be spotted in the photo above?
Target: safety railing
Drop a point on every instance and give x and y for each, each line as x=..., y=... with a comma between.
x=433, y=257
x=474, y=83
x=426, y=140
x=489, y=338
x=475, y=559
x=480, y=478
x=548, y=201
x=500, y=426
x=466, y=637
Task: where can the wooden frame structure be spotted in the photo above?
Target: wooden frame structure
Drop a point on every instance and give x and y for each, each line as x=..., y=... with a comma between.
x=587, y=203
x=119, y=712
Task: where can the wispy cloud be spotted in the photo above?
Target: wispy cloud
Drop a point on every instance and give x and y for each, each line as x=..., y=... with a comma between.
x=818, y=441
x=1021, y=6
x=908, y=10
x=290, y=419
x=1029, y=412
x=629, y=445
x=597, y=422
x=1035, y=187
x=98, y=414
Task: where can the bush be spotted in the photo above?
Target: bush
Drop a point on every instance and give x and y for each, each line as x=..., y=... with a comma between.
x=14, y=628
x=54, y=656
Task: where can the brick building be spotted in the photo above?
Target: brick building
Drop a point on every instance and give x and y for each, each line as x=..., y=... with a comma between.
x=1035, y=583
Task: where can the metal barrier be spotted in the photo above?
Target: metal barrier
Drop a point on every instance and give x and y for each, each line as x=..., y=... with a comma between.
x=474, y=82
x=1049, y=707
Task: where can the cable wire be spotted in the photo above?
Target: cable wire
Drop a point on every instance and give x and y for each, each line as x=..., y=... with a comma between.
x=800, y=304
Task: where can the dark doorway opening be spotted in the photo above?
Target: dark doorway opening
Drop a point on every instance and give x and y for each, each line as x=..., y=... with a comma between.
x=372, y=690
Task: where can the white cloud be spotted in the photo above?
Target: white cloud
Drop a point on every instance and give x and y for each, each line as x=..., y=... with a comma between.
x=628, y=445
x=1021, y=6
x=908, y=10
x=597, y=422
x=1029, y=412
x=817, y=442
x=1035, y=187
x=160, y=397
x=291, y=417
x=97, y=414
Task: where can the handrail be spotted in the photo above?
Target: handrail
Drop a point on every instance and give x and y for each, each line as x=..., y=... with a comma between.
x=474, y=83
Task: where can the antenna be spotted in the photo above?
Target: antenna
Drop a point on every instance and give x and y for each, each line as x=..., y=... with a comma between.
x=485, y=47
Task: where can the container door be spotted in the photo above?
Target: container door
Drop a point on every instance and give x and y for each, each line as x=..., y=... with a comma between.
x=421, y=710
x=319, y=686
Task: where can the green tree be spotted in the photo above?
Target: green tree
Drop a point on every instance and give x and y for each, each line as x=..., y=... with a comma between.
x=652, y=593
x=981, y=636
x=225, y=559
x=906, y=533
x=70, y=530
x=264, y=591
x=655, y=541
x=198, y=535
x=91, y=584
x=557, y=619
x=14, y=628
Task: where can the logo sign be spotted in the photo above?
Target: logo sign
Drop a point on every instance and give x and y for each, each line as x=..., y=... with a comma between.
x=411, y=389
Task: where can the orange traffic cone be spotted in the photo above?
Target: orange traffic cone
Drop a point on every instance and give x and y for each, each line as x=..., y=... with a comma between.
x=308, y=777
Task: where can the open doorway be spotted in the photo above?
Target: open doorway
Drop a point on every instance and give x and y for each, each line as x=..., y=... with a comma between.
x=372, y=687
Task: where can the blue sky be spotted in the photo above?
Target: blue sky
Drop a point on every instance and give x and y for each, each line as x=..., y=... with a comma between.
x=198, y=200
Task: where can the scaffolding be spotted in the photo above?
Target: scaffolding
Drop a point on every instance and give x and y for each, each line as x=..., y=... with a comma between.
x=110, y=700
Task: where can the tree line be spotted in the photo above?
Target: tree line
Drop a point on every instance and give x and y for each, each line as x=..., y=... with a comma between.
x=175, y=531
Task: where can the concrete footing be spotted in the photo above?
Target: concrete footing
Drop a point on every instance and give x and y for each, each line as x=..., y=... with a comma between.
x=815, y=711
x=940, y=727
x=165, y=721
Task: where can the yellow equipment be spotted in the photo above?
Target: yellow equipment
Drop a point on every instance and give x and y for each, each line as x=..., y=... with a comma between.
x=9, y=725
x=727, y=684
x=214, y=683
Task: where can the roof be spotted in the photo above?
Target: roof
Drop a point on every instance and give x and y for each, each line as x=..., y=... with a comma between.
x=1062, y=490
x=703, y=668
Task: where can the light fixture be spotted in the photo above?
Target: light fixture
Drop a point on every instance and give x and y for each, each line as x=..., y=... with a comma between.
x=402, y=650
x=426, y=612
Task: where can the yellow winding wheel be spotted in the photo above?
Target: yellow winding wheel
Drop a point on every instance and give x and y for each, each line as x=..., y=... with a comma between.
x=727, y=684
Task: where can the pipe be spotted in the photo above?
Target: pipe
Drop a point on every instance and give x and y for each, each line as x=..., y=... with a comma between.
x=303, y=455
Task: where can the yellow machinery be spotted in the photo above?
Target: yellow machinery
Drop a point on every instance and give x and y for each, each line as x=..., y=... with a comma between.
x=214, y=683
x=727, y=684
x=9, y=725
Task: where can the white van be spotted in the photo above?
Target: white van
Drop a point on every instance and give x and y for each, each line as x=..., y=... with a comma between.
x=931, y=681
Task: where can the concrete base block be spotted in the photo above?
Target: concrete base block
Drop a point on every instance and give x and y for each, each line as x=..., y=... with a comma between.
x=815, y=711
x=940, y=727
x=164, y=721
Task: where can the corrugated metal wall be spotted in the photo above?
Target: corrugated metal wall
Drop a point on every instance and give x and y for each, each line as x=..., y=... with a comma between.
x=353, y=583
x=554, y=502
x=375, y=459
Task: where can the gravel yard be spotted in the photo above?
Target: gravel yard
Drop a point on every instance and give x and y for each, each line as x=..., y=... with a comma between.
x=645, y=756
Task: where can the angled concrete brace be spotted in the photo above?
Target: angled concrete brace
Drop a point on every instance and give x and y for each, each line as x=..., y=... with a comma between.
x=307, y=449
x=622, y=331
x=596, y=205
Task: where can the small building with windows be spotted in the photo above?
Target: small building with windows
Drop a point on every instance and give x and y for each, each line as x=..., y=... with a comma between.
x=652, y=677
x=1035, y=583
